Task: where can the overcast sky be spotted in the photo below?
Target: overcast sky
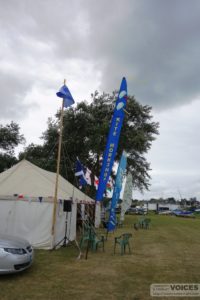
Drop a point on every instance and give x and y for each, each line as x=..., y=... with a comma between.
x=155, y=44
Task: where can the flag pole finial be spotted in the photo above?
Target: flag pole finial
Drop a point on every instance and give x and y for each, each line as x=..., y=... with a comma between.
x=64, y=81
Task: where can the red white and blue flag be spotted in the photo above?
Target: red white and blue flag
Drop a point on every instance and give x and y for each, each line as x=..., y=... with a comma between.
x=79, y=172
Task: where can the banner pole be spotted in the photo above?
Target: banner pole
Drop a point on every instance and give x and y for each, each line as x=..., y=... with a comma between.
x=58, y=169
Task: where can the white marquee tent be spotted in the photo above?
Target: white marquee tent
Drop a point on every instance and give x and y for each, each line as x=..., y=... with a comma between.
x=27, y=201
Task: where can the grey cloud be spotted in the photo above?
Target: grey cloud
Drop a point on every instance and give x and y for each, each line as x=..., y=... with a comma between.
x=175, y=155
x=34, y=34
x=180, y=186
x=155, y=44
x=13, y=91
x=63, y=24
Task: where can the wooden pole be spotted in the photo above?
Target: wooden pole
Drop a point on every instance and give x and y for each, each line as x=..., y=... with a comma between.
x=58, y=169
x=126, y=111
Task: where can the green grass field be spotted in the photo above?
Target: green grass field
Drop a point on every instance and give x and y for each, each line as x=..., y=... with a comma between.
x=166, y=253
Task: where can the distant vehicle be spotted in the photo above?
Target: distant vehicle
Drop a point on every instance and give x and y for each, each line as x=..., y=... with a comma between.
x=162, y=210
x=16, y=254
x=141, y=211
x=183, y=213
x=136, y=210
x=131, y=210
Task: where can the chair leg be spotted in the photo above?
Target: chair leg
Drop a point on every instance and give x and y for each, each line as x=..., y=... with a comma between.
x=81, y=243
x=129, y=248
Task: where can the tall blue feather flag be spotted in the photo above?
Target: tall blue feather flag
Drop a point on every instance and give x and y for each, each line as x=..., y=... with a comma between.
x=65, y=94
x=112, y=140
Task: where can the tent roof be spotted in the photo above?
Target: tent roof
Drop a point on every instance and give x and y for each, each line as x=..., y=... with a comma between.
x=29, y=180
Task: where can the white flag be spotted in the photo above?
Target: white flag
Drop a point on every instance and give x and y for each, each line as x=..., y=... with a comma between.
x=88, y=176
x=127, y=197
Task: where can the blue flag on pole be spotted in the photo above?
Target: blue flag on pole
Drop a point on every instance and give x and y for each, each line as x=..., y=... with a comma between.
x=113, y=139
x=117, y=189
x=66, y=95
x=79, y=171
x=82, y=181
x=78, y=168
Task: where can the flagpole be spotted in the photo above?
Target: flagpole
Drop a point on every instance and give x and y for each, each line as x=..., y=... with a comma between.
x=58, y=169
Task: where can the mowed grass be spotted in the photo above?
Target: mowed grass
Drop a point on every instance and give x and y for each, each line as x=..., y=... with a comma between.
x=166, y=253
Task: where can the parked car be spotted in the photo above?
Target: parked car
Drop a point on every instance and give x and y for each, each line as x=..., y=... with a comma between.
x=136, y=211
x=131, y=210
x=142, y=211
x=16, y=254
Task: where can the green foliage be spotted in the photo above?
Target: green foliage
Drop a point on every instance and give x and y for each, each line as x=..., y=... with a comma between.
x=10, y=137
x=7, y=160
x=85, y=130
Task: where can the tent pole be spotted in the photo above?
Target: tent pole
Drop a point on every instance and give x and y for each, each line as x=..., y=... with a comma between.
x=58, y=169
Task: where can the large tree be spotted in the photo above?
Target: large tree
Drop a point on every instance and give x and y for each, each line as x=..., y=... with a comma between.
x=10, y=138
x=85, y=130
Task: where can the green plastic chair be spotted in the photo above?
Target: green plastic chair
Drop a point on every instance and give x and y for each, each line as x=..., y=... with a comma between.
x=90, y=236
x=96, y=241
x=123, y=241
x=85, y=236
x=146, y=223
x=141, y=222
